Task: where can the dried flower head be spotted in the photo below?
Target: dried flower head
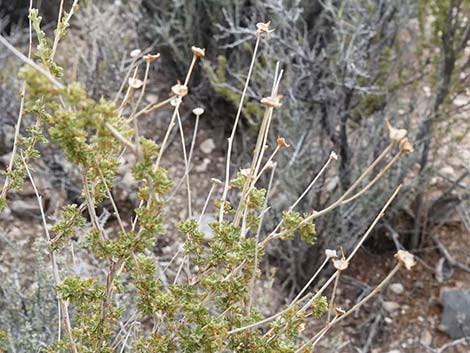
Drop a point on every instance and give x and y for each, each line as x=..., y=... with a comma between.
x=216, y=181
x=333, y=156
x=135, y=83
x=179, y=89
x=263, y=28
x=272, y=102
x=281, y=142
x=406, y=259
x=396, y=135
x=331, y=254
x=340, y=264
x=151, y=57
x=198, y=111
x=405, y=145
x=199, y=52
x=135, y=53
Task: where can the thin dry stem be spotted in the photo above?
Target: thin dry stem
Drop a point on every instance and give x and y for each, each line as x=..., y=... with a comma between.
x=20, y=116
x=31, y=63
x=55, y=268
x=234, y=129
x=258, y=232
x=186, y=164
x=328, y=282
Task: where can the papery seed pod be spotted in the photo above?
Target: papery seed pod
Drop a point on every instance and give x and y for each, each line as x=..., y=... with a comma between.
x=406, y=146
x=281, y=142
x=198, y=111
x=216, y=181
x=406, y=259
x=135, y=83
x=263, y=28
x=340, y=264
x=330, y=254
x=151, y=57
x=135, y=53
x=272, y=102
x=180, y=90
x=199, y=52
x=395, y=135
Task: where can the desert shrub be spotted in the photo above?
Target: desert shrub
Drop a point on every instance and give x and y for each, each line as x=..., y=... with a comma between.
x=348, y=66
x=209, y=305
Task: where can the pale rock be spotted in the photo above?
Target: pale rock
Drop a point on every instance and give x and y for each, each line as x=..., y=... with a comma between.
x=21, y=206
x=332, y=183
x=204, y=225
x=390, y=306
x=207, y=146
x=455, y=317
x=426, y=338
x=200, y=168
x=397, y=288
x=5, y=159
x=448, y=171
x=128, y=178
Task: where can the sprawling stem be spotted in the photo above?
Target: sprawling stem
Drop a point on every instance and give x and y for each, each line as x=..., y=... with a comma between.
x=330, y=280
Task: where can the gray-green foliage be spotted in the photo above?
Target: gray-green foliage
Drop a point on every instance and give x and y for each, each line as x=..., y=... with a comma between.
x=28, y=304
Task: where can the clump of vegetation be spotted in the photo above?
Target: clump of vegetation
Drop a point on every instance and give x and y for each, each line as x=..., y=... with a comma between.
x=349, y=65
x=211, y=305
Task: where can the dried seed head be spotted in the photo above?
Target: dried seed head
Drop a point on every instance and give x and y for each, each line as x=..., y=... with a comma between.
x=333, y=156
x=340, y=264
x=135, y=53
x=281, y=142
x=263, y=28
x=331, y=254
x=199, y=52
x=135, y=83
x=179, y=89
x=151, y=57
x=198, y=111
x=396, y=135
x=405, y=145
x=216, y=181
x=406, y=259
x=272, y=102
